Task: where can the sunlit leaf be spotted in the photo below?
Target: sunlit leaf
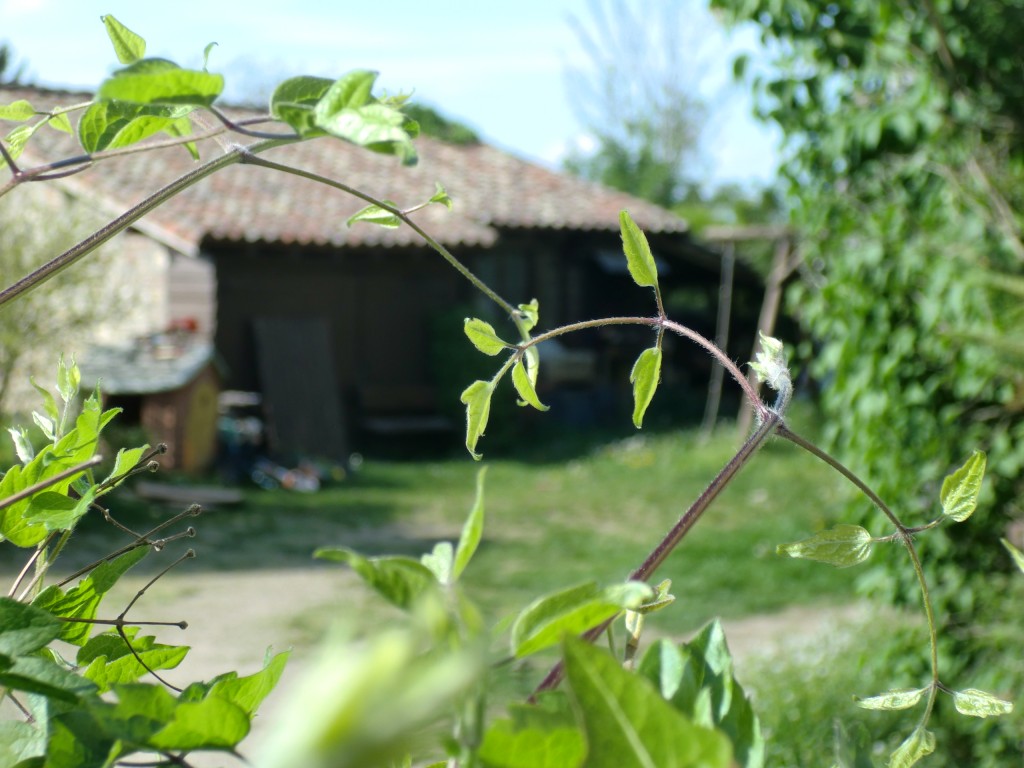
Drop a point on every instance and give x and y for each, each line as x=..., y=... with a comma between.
x=25, y=628
x=128, y=46
x=525, y=387
x=917, y=745
x=644, y=377
x=1016, y=554
x=440, y=561
x=770, y=362
x=529, y=314
x=22, y=445
x=161, y=82
x=841, y=546
x=17, y=110
x=400, y=580
x=960, y=490
x=477, y=399
x=899, y=698
x=206, y=54
x=61, y=122
x=472, y=529
x=626, y=721
x=374, y=214
x=638, y=253
x=249, y=692
x=977, y=703
x=441, y=196
x=294, y=101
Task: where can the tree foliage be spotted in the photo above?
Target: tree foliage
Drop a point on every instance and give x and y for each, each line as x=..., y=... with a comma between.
x=904, y=128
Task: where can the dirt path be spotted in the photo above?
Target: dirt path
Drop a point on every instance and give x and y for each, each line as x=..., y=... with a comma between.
x=234, y=616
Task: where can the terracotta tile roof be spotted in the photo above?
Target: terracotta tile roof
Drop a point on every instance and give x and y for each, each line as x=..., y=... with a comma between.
x=491, y=190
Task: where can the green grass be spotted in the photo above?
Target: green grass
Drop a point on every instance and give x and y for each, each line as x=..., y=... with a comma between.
x=553, y=524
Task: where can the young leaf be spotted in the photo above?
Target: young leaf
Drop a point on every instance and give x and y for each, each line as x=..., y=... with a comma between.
x=662, y=598
x=45, y=424
x=644, y=377
x=400, y=580
x=1016, y=554
x=16, y=141
x=49, y=403
x=977, y=703
x=899, y=698
x=111, y=663
x=440, y=561
x=842, y=546
x=529, y=314
x=960, y=490
x=125, y=461
x=472, y=529
x=770, y=362
x=249, y=692
x=206, y=54
x=571, y=612
x=128, y=46
x=626, y=721
x=18, y=111
x=374, y=214
x=441, y=196
x=158, y=81
x=638, y=253
x=483, y=336
x=917, y=745
x=525, y=387
x=69, y=379
x=350, y=91
x=477, y=399
x=294, y=101
x=22, y=445
x=61, y=122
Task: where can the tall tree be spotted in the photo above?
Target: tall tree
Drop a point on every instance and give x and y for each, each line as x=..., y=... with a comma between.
x=637, y=97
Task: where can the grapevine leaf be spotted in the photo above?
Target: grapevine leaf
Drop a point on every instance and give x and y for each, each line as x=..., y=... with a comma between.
x=400, y=580
x=128, y=46
x=374, y=214
x=899, y=698
x=842, y=546
x=977, y=703
x=572, y=611
x=960, y=490
x=638, y=253
x=644, y=377
x=628, y=723
x=477, y=399
x=525, y=387
x=917, y=745
x=19, y=111
x=472, y=529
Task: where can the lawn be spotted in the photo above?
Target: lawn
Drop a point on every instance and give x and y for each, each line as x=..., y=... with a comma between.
x=551, y=524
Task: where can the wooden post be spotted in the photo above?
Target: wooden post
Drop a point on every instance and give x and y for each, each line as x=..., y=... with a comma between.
x=721, y=339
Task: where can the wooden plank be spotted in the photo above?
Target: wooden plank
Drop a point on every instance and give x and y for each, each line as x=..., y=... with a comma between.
x=303, y=410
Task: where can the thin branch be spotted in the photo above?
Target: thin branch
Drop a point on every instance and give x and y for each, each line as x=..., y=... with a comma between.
x=50, y=481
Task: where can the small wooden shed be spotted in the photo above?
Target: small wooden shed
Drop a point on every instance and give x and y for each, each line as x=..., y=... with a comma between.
x=167, y=384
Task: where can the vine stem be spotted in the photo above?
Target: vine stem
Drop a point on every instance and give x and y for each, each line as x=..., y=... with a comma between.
x=905, y=536
x=674, y=537
x=59, y=263
x=403, y=216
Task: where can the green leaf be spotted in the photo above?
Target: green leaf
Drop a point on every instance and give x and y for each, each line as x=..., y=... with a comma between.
x=440, y=561
x=842, y=546
x=525, y=387
x=25, y=628
x=206, y=54
x=1016, y=554
x=378, y=127
x=42, y=676
x=128, y=46
x=350, y=91
x=626, y=721
x=16, y=141
x=248, y=692
x=111, y=663
x=770, y=362
x=400, y=580
x=529, y=314
x=977, y=703
x=441, y=196
x=126, y=460
x=19, y=111
x=22, y=742
x=161, y=82
x=22, y=445
x=61, y=122
x=57, y=511
x=638, y=253
x=179, y=128
x=644, y=377
x=477, y=399
x=69, y=379
x=472, y=529
x=899, y=698
x=46, y=425
x=294, y=102
x=483, y=336
x=213, y=723
x=917, y=745
x=374, y=214
x=109, y=125
x=960, y=490
x=662, y=598
x=572, y=611
x=49, y=403
x=505, y=745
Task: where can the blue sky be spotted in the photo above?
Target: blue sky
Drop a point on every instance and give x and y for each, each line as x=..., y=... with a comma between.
x=500, y=67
